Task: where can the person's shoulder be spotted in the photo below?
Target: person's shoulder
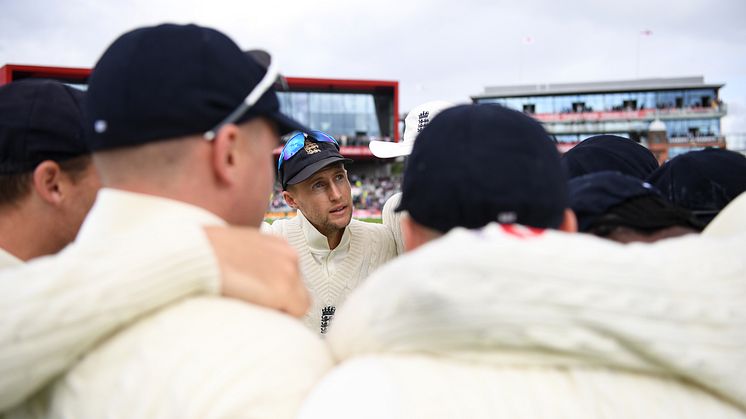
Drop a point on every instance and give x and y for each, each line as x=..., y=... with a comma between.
x=378, y=234
x=280, y=226
x=368, y=227
x=208, y=343
x=195, y=319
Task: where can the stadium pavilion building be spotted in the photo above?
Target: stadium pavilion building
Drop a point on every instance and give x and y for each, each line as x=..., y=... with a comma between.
x=669, y=115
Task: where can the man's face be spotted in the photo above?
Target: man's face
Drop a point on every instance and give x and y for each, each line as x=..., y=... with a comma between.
x=258, y=140
x=325, y=199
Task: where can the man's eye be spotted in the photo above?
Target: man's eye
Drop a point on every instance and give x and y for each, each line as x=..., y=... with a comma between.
x=339, y=177
x=318, y=185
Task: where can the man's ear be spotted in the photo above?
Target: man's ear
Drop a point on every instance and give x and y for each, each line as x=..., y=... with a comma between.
x=225, y=153
x=290, y=200
x=569, y=222
x=47, y=179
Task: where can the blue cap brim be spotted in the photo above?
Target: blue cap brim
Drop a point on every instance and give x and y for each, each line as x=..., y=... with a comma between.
x=309, y=170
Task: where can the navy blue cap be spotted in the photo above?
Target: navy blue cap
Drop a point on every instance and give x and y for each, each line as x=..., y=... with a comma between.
x=39, y=120
x=609, y=153
x=309, y=159
x=703, y=182
x=475, y=164
x=169, y=81
x=592, y=195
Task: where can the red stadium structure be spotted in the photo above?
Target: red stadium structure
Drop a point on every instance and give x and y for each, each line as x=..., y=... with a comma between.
x=379, y=102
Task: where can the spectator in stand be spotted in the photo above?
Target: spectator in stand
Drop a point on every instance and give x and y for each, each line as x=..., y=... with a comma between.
x=703, y=182
x=609, y=152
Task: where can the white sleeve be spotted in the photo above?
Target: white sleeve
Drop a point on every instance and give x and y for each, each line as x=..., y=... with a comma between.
x=56, y=308
x=392, y=220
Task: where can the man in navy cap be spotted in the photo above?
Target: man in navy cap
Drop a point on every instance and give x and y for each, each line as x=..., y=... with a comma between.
x=702, y=181
x=477, y=164
x=336, y=252
x=626, y=209
x=609, y=152
x=182, y=125
x=47, y=178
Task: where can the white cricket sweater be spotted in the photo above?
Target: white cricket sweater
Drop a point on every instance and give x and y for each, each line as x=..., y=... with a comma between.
x=368, y=247
x=731, y=220
x=392, y=220
x=8, y=260
x=56, y=308
x=515, y=324
x=201, y=357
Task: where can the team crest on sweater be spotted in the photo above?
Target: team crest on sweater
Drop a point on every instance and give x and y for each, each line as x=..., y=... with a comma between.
x=327, y=313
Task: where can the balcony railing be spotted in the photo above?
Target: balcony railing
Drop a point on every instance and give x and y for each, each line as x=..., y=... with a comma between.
x=638, y=114
x=699, y=140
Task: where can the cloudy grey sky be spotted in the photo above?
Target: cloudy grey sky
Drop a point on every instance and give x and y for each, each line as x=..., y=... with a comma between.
x=439, y=49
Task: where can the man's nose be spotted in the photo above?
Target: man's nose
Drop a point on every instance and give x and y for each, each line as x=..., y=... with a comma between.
x=334, y=192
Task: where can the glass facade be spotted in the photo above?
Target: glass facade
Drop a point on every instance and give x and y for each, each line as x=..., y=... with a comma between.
x=609, y=102
x=693, y=127
x=679, y=110
x=343, y=115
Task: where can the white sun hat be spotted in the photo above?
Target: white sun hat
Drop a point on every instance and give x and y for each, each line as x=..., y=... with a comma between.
x=416, y=120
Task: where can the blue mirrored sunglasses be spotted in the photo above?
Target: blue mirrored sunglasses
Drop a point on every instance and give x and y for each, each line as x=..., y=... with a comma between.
x=298, y=139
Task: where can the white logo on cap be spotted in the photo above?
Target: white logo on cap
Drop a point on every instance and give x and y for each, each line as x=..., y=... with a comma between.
x=424, y=119
x=507, y=217
x=100, y=126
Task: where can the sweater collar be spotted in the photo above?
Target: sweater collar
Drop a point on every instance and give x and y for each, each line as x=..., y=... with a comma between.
x=318, y=242
x=7, y=259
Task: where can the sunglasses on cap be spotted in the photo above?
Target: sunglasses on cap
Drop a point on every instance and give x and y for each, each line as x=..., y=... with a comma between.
x=271, y=78
x=298, y=139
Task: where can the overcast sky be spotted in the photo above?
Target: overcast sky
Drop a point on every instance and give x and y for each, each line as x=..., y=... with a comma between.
x=446, y=49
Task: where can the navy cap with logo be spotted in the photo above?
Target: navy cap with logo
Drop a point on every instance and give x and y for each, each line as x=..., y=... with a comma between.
x=304, y=154
x=475, y=164
x=169, y=81
x=703, y=181
x=39, y=120
x=609, y=153
x=592, y=195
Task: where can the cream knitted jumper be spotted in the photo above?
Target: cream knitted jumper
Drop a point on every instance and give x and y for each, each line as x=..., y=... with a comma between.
x=201, y=357
x=8, y=260
x=55, y=308
x=392, y=220
x=515, y=324
x=731, y=220
x=370, y=246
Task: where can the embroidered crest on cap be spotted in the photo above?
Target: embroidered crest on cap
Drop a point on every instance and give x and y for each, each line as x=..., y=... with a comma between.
x=311, y=147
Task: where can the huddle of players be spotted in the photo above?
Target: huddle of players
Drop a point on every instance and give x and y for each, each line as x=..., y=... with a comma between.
x=175, y=159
